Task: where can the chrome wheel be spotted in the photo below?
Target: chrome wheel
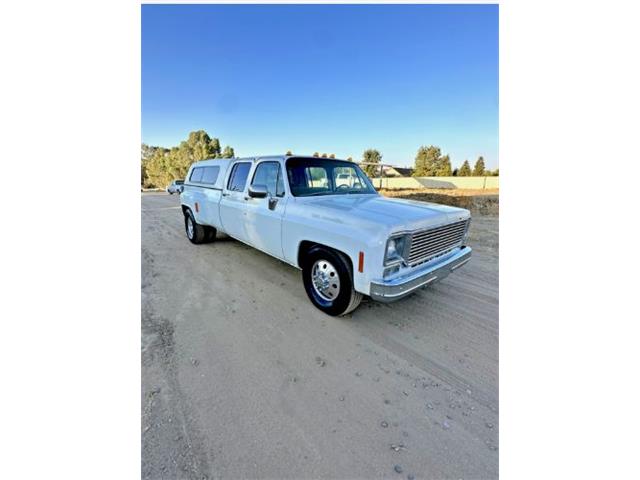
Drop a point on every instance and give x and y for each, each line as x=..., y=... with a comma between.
x=325, y=280
x=190, y=227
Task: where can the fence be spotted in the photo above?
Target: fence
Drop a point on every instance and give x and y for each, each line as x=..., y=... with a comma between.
x=476, y=183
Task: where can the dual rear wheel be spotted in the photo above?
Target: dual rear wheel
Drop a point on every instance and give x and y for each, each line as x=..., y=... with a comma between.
x=197, y=233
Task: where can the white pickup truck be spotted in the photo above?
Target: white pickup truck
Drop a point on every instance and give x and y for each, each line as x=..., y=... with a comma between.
x=324, y=217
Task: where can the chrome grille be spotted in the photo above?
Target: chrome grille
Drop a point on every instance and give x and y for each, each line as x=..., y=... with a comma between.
x=430, y=243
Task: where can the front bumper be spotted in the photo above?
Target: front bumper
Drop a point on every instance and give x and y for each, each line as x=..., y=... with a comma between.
x=392, y=290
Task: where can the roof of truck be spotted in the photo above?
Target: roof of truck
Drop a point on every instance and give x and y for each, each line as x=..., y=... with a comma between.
x=216, y=161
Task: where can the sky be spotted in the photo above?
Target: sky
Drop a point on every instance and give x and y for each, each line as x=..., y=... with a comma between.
x=328, y=78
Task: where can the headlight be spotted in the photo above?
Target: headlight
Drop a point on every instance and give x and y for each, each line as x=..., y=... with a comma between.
x=466, y=232
x=395, y=249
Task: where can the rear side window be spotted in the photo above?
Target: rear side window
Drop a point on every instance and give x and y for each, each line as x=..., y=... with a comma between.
x=210, y=175
x=238, y=177
x=196, y=174
x=207, y=175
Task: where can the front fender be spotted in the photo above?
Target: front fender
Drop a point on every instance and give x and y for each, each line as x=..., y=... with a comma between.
x=338, y=235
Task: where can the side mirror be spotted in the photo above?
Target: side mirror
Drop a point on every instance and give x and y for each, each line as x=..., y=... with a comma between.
x=258, y=191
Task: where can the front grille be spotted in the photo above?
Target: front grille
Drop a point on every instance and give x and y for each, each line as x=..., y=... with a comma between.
x=428, y=244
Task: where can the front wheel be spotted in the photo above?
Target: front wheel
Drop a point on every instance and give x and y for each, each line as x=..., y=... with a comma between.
x=328, y=281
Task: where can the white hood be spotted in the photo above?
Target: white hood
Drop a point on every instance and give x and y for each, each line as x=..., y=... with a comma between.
x=395, y=214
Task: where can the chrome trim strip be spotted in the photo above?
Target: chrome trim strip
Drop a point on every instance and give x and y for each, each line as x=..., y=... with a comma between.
x=426, y=282
x=459, y=265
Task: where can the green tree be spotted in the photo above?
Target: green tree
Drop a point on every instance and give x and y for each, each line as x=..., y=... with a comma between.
x=444, y=167
x=371, y=155
x=228, y=152
x=465, y=169
x=430, y=162
x=478, y=168
x=161, y=165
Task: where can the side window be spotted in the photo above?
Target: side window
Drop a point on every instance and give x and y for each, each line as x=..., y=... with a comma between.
x=317, y=177
x=210, y=175
x=270, y=175
x=196, y=174
x=238, y=177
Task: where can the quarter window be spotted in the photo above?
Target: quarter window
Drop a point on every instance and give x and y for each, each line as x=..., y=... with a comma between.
x=238, y=177
x=269, y=174
x=196, y=174
x=210, y=175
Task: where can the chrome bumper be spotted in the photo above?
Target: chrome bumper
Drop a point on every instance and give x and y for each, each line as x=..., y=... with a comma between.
x=392, y=290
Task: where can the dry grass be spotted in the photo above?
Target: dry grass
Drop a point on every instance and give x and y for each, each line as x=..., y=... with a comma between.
x=454, y=192
x=484, y=202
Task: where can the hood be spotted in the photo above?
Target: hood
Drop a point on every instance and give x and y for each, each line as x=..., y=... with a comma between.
x=396, y=214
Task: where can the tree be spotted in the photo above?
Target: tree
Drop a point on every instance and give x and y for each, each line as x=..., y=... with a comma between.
x=228, y=152
x=145, y=155
x=465, y=169
x=161, y=165
x=371, y=155
x=444, y=167
x=431, y=163
x=478, y=168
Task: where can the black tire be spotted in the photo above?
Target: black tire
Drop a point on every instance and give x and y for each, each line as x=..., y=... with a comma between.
x=198, y=233
x=347, y=299
x=210, y=234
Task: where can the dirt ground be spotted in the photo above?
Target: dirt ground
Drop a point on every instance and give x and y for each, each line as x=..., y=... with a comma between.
x=243, y=378
x=479, y=202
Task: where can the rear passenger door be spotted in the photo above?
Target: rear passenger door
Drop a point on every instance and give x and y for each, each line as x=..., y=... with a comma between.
x=264, y=215
x=233, y=204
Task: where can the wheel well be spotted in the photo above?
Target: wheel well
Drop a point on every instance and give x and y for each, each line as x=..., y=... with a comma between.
x=307, y=245
x=184, y=209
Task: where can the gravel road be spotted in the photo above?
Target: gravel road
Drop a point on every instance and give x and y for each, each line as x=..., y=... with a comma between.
x=243, y=378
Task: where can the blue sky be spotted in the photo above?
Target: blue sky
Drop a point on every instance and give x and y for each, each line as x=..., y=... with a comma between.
x=330, y=78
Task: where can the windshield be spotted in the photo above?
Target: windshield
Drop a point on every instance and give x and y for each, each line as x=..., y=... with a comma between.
x=321, y=176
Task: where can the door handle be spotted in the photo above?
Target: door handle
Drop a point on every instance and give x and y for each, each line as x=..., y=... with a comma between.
x=225, y=194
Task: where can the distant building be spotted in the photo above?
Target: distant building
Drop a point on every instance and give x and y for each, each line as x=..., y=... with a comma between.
x=390, y=171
